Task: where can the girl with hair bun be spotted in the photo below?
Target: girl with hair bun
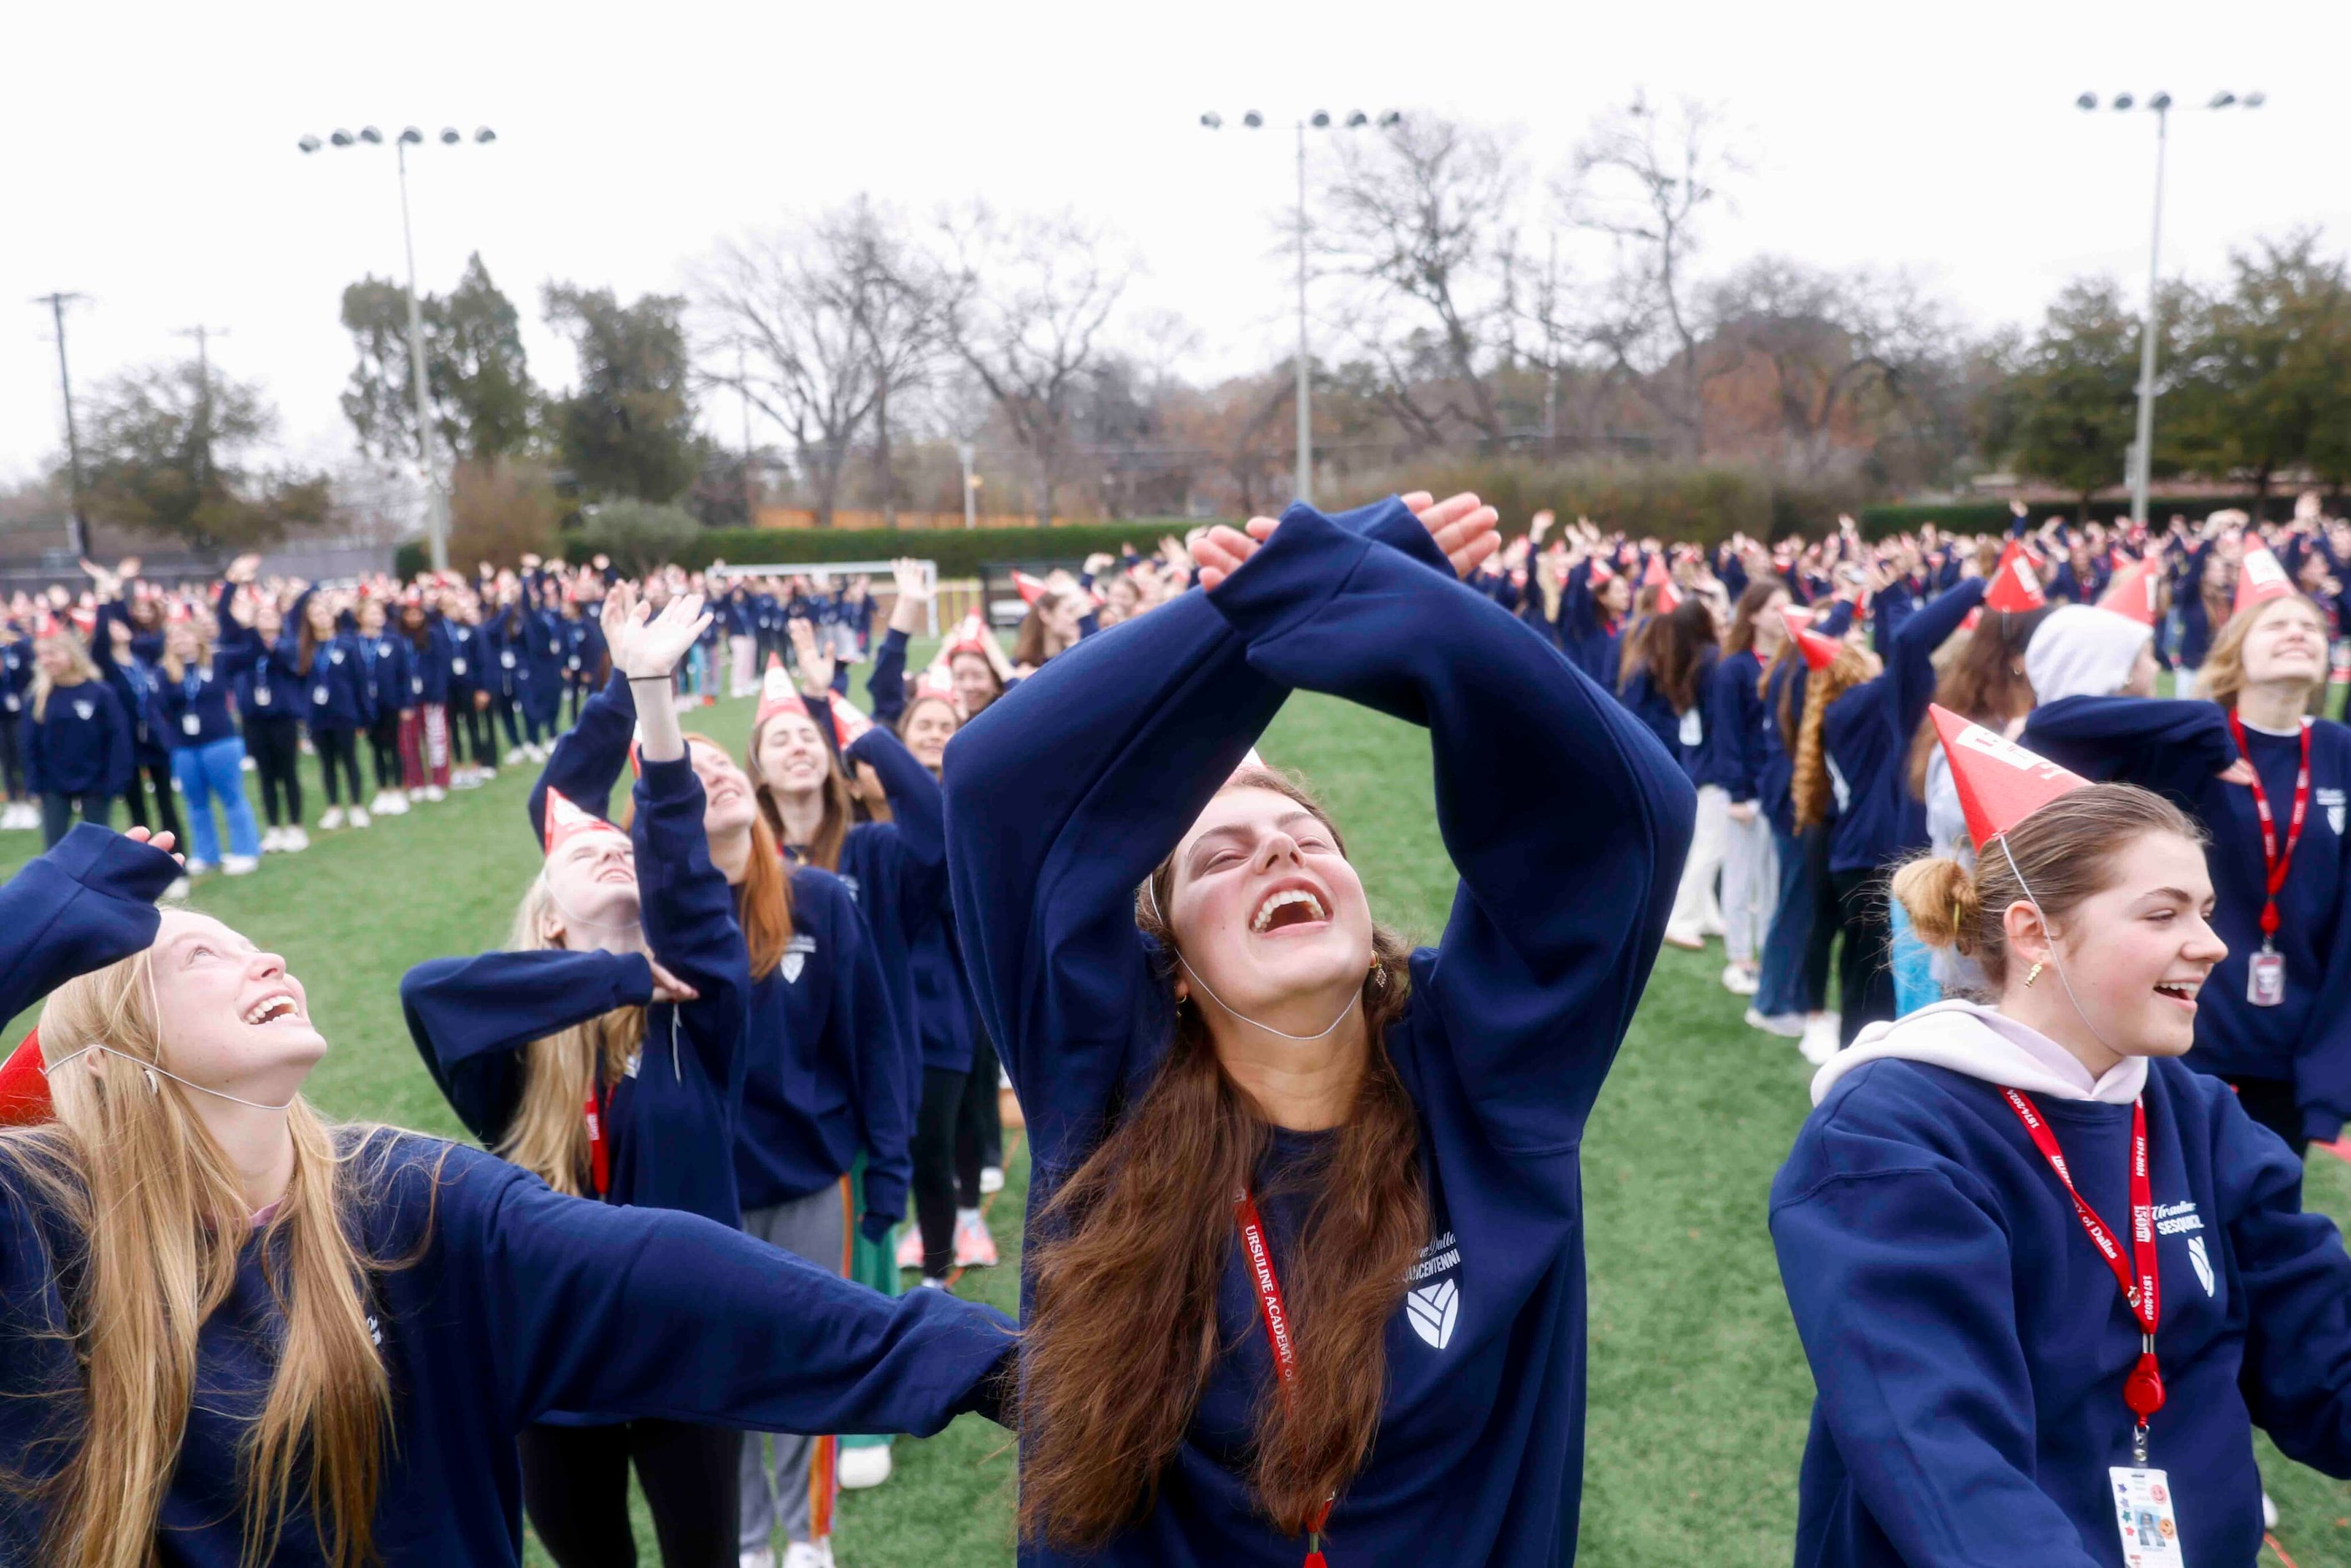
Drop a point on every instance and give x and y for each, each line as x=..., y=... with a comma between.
x=2048, y=1278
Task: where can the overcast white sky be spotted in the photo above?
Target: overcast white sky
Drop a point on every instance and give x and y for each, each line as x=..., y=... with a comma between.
x=149, y=157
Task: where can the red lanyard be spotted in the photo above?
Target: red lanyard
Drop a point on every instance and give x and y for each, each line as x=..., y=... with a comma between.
x=2279, y=864
x=599, y=1149
x=1276, y=1317
x=2142, y=1287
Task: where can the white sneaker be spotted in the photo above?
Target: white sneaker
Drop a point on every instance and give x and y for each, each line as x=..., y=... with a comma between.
x=240, y=865
x=931, y=1283
x=250, y=765
x=514, y=755
x=294, y=842
x=2269, y=1512
x=991, y=1178
x=196, y=867
x=1787, y=1025
x=861, y=1467
x=1739, y=980
x=485, y=773
x=1685, y=938
x=395, y=804
x=331, y=818
x=434, y=792
x=1820, y=1038
x=359, y=819
x=376, y=805
x=177, y=891
x=757, y=1557
x=804, y=1554
x=273, y=839
x=19, y=815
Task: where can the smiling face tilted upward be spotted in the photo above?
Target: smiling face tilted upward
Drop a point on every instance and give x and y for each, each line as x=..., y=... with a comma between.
x=790, y=754
x=593, y=879
x=233, y=1020
x=2287, y=642
x=727, y=803
x=1267, y=911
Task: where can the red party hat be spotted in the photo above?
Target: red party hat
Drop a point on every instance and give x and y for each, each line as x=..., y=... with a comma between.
x=2014, y=586
x=2135, y=591
x=776, y=694
x=1031, y=589
x=1999, y=783
x=1668, y=599
x=1819, y=652
x=2260, y=579
x=23, y=1087
x=566, y=821
x=849, y=722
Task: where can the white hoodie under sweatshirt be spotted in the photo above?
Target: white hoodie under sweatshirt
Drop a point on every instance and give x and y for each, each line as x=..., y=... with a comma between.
x=1971, y=1038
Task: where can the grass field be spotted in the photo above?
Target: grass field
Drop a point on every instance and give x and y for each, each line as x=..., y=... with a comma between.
x=1699, y=1388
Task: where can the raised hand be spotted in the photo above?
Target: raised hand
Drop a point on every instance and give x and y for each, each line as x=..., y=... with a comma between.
x=164, y=842
x=668, y=988
x=907, y=574
x=815, y=665
x=652, y=647
x=618, y=605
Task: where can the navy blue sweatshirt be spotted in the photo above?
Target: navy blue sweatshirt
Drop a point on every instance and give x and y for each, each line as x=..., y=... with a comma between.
x=827, y=1073
x=333, y=690
x=1731, y=756
x=383, y=670
x=1969, y=1343
x=79, y=744
x=1867, y=734
x=427, y=668
x=1683, y=734
x=193, y=711
x=671, y=1120
x=134, y=680
x=267, y=691
x=2179, y=749
x=82, y=905
x=1065, y=794
x=1777, y=770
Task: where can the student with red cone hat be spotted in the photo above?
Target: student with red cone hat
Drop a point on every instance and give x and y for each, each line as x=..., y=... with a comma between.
x=1791, y=983
x=603, y=1053
x=2048, y=1278
x=2268, y=782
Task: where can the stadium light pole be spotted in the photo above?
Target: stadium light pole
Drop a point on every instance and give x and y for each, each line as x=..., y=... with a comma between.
x=436, y=501
x=1320, y=120
x=2143, y=448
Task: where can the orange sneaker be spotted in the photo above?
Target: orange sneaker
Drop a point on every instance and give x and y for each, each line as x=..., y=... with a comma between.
x=974, y=1246
x=910, y=1248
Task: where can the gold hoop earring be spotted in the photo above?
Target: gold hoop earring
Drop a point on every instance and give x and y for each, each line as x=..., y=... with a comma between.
x=2032, y=975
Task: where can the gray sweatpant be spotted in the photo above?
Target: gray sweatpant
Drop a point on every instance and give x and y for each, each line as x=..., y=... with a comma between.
x=793, y=1487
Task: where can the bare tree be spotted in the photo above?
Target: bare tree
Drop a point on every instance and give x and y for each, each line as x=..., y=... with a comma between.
x=1421, y=216
x=900, y=315
x=819, y=325
x=1837, y=347
x=1645, y=179
x=1025, y=304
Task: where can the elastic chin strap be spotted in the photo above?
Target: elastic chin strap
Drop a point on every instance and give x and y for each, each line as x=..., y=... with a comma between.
x=153, y=1072
x=565, y=910
x=1278, y=1034
x=2056, y=963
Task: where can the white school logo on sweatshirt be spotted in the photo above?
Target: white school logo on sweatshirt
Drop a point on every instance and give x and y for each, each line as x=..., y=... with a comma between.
x=83, y=710
x=795, y=953
x=2198, y=1256
x=2333, y=800
x=1434, y=1307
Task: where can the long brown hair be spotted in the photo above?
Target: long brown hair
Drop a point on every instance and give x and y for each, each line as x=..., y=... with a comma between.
x=161, y=1218
x=1984, y=682
x=823, y=851
x=1808, y=782
x=1029, y=639
x=763, y=899
x=1752, y=604
x=1672, y=647
x=2065, y=852
x=1131, y=1247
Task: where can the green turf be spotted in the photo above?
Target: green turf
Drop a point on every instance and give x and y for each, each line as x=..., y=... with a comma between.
x=1699, y=1388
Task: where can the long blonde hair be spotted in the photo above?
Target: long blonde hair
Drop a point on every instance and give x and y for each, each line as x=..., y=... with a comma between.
x=2223, y=675
x=548, y=1134
x=200, y=628
x=161, y=1219
x=79, y=666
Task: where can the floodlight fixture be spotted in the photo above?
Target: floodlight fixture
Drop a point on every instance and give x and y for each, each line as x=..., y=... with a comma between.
x=371, y=136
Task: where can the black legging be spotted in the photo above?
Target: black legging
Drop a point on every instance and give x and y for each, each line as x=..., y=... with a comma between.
x=157, y=775
x=58, y=813
x=274, y=745
x=979, y=1124
x=575, y=1484
x=338, y=749
x=468, y=740
x=1865, y=970
x=934, y=1151
x=12, y=758
x=383, y=744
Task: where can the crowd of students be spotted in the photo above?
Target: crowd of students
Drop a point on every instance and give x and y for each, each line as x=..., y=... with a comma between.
x=1303, y=1272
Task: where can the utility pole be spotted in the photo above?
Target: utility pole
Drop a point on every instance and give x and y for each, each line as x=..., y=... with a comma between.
x=203, y=336
x=1305, y=411
x=751, y=507
x=78, y=530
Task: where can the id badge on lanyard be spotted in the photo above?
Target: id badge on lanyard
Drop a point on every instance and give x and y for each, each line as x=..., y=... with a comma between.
x=2143, y=1513
x=2265, y=970
x=191, y=725
x=261, y=696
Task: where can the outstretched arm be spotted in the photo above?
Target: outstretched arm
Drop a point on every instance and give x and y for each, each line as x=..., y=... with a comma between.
x=85, y=904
